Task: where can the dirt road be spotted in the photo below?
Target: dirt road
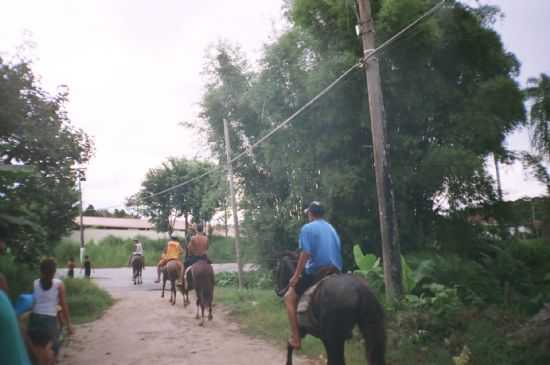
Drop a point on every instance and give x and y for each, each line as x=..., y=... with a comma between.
x=142, y=328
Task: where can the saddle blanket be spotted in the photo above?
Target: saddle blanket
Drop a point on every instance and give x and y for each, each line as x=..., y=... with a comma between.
x=306, y=317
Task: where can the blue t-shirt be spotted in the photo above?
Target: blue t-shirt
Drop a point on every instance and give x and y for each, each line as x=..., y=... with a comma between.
x=12, y=348
x=321, y=241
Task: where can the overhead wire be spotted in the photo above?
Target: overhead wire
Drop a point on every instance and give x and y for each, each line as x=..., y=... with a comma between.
x=368, y=54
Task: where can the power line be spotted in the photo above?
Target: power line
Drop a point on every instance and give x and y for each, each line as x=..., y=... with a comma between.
x=368, y=54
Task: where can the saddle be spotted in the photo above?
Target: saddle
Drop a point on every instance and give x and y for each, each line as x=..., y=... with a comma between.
x=306, y=317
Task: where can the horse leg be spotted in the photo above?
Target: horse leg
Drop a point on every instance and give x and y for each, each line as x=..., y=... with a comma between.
x=334, y=347
x=202, y=315
x=163, y=285
x=173, y=292
x=198, y=304
x=210, y=317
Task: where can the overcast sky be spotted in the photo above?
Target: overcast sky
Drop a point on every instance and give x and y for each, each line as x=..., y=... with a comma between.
x=133, y=68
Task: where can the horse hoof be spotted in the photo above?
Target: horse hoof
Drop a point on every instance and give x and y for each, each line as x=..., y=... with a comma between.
x=197, y=317
x=210, y=318
x=201, y=324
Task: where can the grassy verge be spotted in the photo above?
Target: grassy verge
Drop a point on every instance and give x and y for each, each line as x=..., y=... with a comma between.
x=114, y=252
x=87, y=302
x=414, y=337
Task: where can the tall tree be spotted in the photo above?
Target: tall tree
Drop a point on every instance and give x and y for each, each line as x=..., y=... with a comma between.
x=196, y=200
x=450, y=100
x=538, y=92
x=37, y=206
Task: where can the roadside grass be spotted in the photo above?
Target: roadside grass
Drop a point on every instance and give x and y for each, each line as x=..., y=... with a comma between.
x=473, y=337
x=115, y=252
x=86, y=301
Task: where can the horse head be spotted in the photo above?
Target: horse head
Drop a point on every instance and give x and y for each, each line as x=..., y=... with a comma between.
x=286, y=265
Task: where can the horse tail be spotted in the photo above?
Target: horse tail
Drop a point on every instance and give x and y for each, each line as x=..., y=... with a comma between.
x=371, y=324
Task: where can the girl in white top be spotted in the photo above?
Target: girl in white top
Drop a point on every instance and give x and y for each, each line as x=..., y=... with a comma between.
x=48, y=293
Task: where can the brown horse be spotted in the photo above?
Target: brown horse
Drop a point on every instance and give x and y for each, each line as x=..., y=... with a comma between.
x=202, y=275
x=137, y=268
x=170, y=271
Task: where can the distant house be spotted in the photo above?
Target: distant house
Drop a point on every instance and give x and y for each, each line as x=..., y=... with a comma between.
x=97, y=228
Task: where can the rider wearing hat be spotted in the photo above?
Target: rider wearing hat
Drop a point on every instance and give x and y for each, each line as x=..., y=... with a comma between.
x=320, y=255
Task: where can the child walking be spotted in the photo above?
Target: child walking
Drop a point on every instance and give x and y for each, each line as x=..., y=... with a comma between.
x=87, y=267
x=70, y=267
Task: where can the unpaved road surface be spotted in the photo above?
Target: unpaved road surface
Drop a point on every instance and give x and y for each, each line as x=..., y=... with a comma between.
x=142, y=328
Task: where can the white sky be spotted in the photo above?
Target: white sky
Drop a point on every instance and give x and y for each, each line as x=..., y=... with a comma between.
x=133, y=68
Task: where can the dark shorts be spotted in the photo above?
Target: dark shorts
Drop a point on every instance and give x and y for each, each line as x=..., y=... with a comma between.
x=43, y=329
x=306, y=282
x=190, y=260
x=70, y=273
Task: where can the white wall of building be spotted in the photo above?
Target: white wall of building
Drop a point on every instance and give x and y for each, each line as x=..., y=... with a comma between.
x=99, y=234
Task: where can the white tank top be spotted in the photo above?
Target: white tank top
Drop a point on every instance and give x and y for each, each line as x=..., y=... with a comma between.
x=45, y=301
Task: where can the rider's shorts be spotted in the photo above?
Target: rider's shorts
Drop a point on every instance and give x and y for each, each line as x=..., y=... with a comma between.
x=306, y=282
x=190, y=260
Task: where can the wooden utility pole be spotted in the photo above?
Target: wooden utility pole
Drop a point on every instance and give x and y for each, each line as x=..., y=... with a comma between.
x=497, y=171
x=391, y=252
x=233, y=202
x=80, y=179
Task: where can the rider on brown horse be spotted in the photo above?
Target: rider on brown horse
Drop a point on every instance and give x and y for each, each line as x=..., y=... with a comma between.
x=138, y=251
x=173, y=251
x=320, y=255
x=197, y=248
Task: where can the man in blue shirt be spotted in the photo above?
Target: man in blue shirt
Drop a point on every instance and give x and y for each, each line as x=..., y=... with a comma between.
x=321, y=254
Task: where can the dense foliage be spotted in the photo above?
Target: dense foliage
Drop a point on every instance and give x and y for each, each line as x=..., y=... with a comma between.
x=39, y=153
x=450, y=100
x=539, y=94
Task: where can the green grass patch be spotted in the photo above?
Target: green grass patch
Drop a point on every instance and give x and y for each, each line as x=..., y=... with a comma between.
x=115, y=252
x=86, y=301
x=109, y=252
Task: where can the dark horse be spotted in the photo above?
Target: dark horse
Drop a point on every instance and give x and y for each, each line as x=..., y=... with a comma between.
x=202, y=277
x=340, y=302
x=137, y=268
x=170, y=271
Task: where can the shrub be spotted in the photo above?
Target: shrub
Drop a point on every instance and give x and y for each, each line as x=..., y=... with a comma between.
x=86, y=300
x=19, y=276
x=251, y=280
